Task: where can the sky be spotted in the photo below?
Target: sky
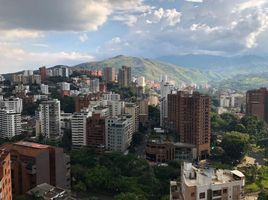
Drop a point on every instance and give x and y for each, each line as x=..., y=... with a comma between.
x=35, y=33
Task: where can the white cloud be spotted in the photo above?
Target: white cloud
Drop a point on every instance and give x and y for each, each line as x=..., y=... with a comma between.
x=19, y=34
x=83, y=37
x=230, y=26
x=62, y=15
x=13, y=58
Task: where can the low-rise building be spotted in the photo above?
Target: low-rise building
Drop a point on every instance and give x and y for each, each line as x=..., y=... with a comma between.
x=203, y=182
x=161, y=152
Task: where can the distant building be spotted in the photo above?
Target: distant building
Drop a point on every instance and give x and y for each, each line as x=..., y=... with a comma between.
x=10, y=123
x=48, y=119
x=133, y=110
x=208, y=183
x=5, y=175
x=95, y=131
x=257, y=103
x=109, y=74
x=83, y=101
x=161, y=152
x=165, y=89
x=65, y=86
x=124, y=76
x=95, y=85
x=44, y=89
x=49, y=192
x=189, y=117
x=143, y=111
x=15, y=104
x=111, y=96
x=118, y=133
x=33, y=164
x=79, y=129
x=43, y=73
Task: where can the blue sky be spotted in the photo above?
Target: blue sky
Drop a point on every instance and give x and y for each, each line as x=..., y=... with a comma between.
x=34, y=33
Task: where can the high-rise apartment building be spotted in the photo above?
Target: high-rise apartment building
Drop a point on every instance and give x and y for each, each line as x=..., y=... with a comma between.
x=165, y=89
x=15, y=104
x=79, y=129
x=257, y=103
x=95, y=85
x=83, y=101
x=5, y=175
x=198, y=182
x=44, y=89
x=48, y=119
x=124, y=76
x=43, y=73
x=33, y=164
x=118, y=133
x=189, y=117
x=10, y=123
x=109, y=74
x=95, y=131
x=133, y=110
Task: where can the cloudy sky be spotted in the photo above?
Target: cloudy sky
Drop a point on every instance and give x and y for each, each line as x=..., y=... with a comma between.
x=50, y=32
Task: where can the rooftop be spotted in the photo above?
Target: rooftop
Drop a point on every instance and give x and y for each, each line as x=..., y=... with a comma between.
x=32, y=145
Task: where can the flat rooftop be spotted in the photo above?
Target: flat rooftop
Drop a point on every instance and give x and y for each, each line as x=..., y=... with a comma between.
x=31, y=145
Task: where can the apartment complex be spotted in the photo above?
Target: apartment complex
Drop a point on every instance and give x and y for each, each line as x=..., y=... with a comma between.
x=257, y=103
x=118, y=132
x=48, y=119
x=5, y=176
x=79, y=128
x=124, y=76
x=33, y=164
x=189, y=117
x=198, y=183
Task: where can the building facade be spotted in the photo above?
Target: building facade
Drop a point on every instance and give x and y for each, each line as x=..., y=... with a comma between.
x=5, y=175
x=109, y=74
x=257, y=103
x=189, y=117
x=48, y=119
x=33, y=164
x=118, y=133
x=124, y=76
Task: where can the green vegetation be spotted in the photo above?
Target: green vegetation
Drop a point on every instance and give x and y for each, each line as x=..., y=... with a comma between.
x=235, y=145
x=263, y=195
x=120, y=175
x=256, y=178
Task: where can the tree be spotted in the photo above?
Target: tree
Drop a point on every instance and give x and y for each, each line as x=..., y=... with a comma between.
x=129, y=196
x=263, y=195
x=235, y=145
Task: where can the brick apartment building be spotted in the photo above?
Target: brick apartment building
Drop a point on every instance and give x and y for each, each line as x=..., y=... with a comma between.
x=257, y=103
x=189, y=117
x=83, y=101
x=33, y=164
x=5, y=175
x=95, y=134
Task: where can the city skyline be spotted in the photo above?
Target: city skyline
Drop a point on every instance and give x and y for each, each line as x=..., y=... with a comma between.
x=34, y=33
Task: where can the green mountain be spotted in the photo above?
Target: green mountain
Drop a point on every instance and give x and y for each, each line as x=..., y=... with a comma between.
x=152, y=69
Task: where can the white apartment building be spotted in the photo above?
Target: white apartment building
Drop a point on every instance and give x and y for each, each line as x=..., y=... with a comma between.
x=15, y=104
x=133, y=110
x=115, y=107
x=118, y=133
x=165, y=89
x=141, y=81
x=111, y=96
x=200, y=183
x=44, y=89
x=10, y=123
x=79, y=125
x=94, y=85
x=48, y=119
x=65, y=86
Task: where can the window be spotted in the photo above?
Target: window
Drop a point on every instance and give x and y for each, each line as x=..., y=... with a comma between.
x=202, y=195
x=225, y=191
x=192, y=194
x=216, y=193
